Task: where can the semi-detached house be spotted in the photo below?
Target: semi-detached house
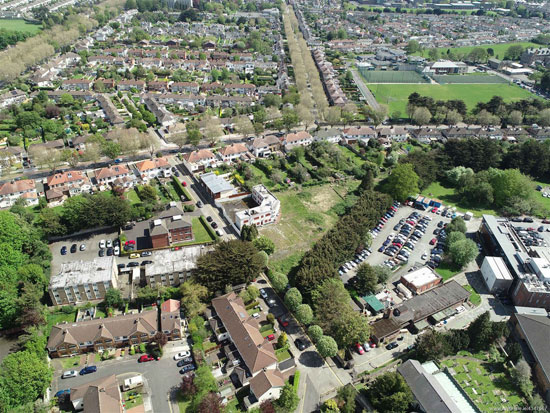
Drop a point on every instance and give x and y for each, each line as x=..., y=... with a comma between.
x=76, y=84
x=293, y=140
x=233, y=152
x=199, y=160
x=12, y=191
x=359, y=134
x=265, y=146
x=118, y=175
x=152, y=168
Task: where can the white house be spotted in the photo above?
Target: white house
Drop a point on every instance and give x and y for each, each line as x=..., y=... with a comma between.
x=199, y=160
x=265, y=146
x=117, y=175
x=332, y=135
x=152, y=168
x=233, y=152
x=265, y=212
x=359, y=134
x=293, y=140
x=12, y=191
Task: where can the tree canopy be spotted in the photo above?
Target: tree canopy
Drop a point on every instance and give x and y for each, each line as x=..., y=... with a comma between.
x=390, y=393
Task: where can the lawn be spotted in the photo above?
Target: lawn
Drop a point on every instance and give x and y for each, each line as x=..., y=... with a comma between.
x=391, y=76
x=477, y=78
x=267, y=332
x=199, y=231
x=183, y=403
x=133, y=197
x=306, y=216
x=499, y=49
x=486, y=383
x=449, y=198
x=71, y=363
x=20, y=25
x=475, y=298
x=396, y=95
x=58, y=317
x=447, y=271
x=282, y=355
x=137, y=400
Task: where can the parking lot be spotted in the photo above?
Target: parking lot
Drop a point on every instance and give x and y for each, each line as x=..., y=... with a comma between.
x=91, y=242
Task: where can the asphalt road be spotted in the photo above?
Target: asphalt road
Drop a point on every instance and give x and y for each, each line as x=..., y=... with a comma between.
x=365, y=91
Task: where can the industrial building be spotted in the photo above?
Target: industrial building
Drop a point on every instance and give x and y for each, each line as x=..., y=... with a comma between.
x=496, y=275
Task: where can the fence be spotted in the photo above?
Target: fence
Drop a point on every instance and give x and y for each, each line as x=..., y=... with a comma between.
x=392, y=76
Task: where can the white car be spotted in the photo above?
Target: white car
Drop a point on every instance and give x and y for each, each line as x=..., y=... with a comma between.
x=70, y=373
x=117, y=250
x=263, y=293
x=256, y=315
x=109, y=243
x=391, y=236
x=102, y=243
x=182, y=355
x=425, y=255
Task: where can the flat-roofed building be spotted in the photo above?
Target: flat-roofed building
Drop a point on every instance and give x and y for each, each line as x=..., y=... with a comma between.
x=496, y=275
x=265, y=212
x=170, y=268
x=420, y=280
x=217, y=186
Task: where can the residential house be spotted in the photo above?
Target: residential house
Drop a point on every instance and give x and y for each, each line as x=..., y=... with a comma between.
x=394, y=134
x=359, y=134
x=426, y=135
x=169, y=231
x=264, y=146
x=164, y=118
x=267, y=385
x=13, y=97
x=331, y=135
x=187, y=87
x=76, y=84
x=156, y=86
x=199, y=160
x=10, y=155
x=124, y=85
x=110, y=110
x=67, y=183
x=539, y=134
x=233, y=152
x=152, y=168
x=460, y=133
x=266, y=210
x=13, y=190
x=292, y=140
x=121, y=331
x=171, y=268
x=241, y=89
x=116, y=175
x=99, y=396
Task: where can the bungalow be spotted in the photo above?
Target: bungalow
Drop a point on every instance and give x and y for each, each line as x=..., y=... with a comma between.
x=117, y=175
x=331, y=135
x=265, y=146
x=359, y=134
x=233, y=152
x=77, y=84
x=124, y=85
x=152, y=168
x=199, y=160
x=292, y=140
x=12, y=191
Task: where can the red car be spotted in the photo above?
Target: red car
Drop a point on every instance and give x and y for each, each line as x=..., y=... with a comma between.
x=184, y=183
x=434, y=210
x=145, y=358
x=546, y=221
x=282, y=322
x=433, y=241
x=271, y=337
x=359, y=348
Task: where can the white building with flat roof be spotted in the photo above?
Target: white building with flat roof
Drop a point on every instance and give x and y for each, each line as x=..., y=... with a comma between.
x=496, y=275
x=266, y=211
x=420, y=280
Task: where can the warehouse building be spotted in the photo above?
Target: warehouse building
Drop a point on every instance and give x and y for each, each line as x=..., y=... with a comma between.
x=496, y=275
x=421, y=280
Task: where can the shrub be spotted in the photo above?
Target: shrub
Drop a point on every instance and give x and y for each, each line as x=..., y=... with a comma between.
x=67, y=309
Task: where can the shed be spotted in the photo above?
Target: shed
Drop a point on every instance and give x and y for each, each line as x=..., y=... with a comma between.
x=374, y=303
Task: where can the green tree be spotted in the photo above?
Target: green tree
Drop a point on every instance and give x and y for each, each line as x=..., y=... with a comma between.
x=463, y=252
x=279, y=281
x=382, y=272
x=365, y=280
x=514, y=52
x=282, y=341
x=315, y=332
x=304, y=314
x=293, y=299
x=402, y=182
x=412, y=47
x=508, y=184
x=521, y=375
x=390, y=393
x=24, y=376
x=330, y=406
x=478, y=55
x=111, y=150
x=230, y=263
x=288, y=400
x=290, y=119
x=327, y=347
x=194, y=137
x=346, y=396
x=193, y=298
x=421, y=115
x=249, y=232
x=453, y=237
x=263, y=243
x=431, y=345
x=456, y=224
x=113, y=298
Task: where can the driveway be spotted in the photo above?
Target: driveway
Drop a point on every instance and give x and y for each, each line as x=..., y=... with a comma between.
x=162, y=377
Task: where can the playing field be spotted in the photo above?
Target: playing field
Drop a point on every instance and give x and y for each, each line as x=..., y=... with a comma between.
x=477, y=78
x=499, y=49
x=19, y=25
x=391, y=76
x=395, y=96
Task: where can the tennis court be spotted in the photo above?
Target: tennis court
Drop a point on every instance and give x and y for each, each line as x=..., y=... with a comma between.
x=391, y=76
x=481, y=79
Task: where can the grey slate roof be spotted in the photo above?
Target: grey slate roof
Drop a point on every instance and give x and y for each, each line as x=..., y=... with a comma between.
x=536, y=330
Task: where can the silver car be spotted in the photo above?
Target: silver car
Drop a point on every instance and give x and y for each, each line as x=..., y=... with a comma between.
x=70, y=373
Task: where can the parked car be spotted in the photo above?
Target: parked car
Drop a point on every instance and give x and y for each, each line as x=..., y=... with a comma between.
x=214, y=225
x=88, y=370
x=82, y=247
x=63, y=250
x=433, y=241
x=61, y=393
x=392, y=345
x=181, y=355
x=209, y=219
x=263, y=293
x=102, y=243
x=187, y=368
x=101, y=252
x=282, y=322
x=134, y=255
x=121, y=266
x=146, y=254
x=199, y=204
x=109, y=243
x=145, y=358
x=359, y=348
x=116, y=250
x=110, y=251
x=146, y=262
x=133, y=264
x=183, y=362
x=70, y=373
x=300, y=344
x=73, y=248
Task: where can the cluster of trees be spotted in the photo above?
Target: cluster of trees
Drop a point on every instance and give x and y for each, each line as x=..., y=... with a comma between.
x=390, y=393
x=368, y=277
x=344, y=401
x=11, y=37
x=480, y=335
x=424, y=110
x=476, y=55
x=402, y=182
x=86, y=211
x=459, y=249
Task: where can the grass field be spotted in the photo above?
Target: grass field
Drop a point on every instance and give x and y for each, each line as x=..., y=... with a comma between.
x=395, y=96
x=485, y=383
x=199, y=231
x=447, y=271
x=499, y=49
x=19, y=25
x=473, y=78
x=450, y=198
x=391, y=76
x=306, y=216
x=475, y=298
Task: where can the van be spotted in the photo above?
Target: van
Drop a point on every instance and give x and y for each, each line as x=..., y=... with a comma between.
x=132, y=383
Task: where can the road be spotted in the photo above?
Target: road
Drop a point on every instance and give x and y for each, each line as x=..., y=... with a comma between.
x=365, y=91
x=162, y=376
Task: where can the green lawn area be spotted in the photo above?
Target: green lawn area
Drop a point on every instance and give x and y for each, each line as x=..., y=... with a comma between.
x=133, y=197
x=545, y=202
x=137, y=399
x=354, y=158
x=449, y=198
x=475, y=298
x=282, y=355
x=446, y=270
x=499, y=49
x=19, y=25
x=396, y=95
x=58, y=317
x=183, y=403
x=199, y=231
x=267, y=332
x=306, y=216
x=71, y=363
x=489, y=380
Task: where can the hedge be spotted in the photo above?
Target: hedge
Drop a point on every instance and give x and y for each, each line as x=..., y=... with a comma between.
x=180, y=189
x=210, y=231
x=252, y=305
x=296, y=381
